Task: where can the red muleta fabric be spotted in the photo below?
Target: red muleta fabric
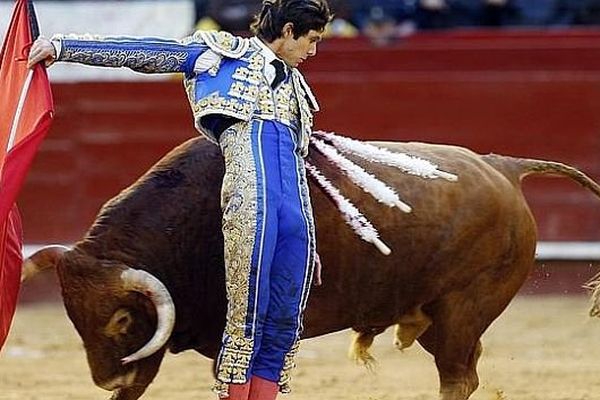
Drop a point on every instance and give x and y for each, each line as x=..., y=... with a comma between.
x=27, y=109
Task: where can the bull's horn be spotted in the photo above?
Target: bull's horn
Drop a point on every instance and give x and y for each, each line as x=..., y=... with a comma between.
x=46, y=257
x=145, y=283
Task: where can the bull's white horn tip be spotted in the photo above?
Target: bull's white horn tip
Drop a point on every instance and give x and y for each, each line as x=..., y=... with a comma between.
x=126, y=360
x=382, y=247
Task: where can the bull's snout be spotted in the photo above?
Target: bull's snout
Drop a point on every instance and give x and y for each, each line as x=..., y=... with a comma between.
x=119, y=382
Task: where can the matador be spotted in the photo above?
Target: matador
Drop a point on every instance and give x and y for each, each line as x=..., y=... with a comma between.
x=248, y=97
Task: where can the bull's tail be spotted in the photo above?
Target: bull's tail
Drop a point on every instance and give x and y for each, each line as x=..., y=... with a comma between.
x=594, y=286
x=518, y=168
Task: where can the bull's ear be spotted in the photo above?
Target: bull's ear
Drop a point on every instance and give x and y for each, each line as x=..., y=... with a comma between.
x=119, y=323
x=45, y=258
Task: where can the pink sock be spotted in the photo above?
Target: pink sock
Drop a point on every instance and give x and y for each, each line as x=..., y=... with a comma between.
x=262, y=389
x=238, y=391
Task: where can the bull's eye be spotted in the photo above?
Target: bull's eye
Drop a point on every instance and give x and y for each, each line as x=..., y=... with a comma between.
x=119, y=323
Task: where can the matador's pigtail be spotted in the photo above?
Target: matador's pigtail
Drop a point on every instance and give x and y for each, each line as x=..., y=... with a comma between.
x=264, y=21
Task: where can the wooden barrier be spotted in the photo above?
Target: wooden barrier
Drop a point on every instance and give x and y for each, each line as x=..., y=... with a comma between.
x=534, y=94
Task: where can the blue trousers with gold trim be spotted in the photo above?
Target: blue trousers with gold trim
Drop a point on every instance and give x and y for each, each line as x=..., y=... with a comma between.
x=269, y=251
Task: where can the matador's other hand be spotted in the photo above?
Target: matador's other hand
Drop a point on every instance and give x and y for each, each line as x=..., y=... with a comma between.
x=41, y=50
x=318, y=268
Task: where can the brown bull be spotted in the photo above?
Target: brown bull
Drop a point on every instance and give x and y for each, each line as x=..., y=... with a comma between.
x=457, y=261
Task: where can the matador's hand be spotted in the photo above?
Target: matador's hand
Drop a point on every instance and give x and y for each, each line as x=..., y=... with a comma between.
x=41, y=50
x=318, y=267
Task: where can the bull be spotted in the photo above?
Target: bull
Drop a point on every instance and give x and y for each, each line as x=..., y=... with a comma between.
x=148, y=276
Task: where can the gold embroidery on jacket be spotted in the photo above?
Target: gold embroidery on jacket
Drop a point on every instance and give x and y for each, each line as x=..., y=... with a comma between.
x=251, y=96
x=223, y=43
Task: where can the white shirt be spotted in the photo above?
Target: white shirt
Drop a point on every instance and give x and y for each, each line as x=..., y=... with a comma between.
x=269, y=55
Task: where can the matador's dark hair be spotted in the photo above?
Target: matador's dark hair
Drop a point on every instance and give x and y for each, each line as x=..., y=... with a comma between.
x=306, y=15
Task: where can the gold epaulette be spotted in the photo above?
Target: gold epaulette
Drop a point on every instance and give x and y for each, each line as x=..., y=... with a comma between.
x=224, y=43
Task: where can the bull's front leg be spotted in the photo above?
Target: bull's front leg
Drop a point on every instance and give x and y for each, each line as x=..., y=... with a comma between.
x=130, y=393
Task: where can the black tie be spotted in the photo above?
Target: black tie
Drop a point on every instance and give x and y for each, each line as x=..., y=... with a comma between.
x=280, y=74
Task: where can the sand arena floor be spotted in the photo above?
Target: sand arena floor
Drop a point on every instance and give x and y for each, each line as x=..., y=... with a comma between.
x=541, y=348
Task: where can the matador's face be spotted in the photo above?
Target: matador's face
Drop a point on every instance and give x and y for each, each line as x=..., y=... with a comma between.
x=296, y=51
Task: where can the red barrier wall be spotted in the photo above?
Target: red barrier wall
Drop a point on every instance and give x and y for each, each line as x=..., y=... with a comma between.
x=534, y=94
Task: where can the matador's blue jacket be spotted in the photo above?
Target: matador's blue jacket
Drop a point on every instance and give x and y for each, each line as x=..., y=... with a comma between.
x=235, y=86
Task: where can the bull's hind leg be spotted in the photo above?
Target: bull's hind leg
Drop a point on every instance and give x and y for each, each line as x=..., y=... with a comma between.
x=454, y=342
x=458, y=321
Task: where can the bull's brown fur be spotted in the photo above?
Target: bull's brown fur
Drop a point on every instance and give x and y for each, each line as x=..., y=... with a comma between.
x=458, y=259
x=411, y=325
